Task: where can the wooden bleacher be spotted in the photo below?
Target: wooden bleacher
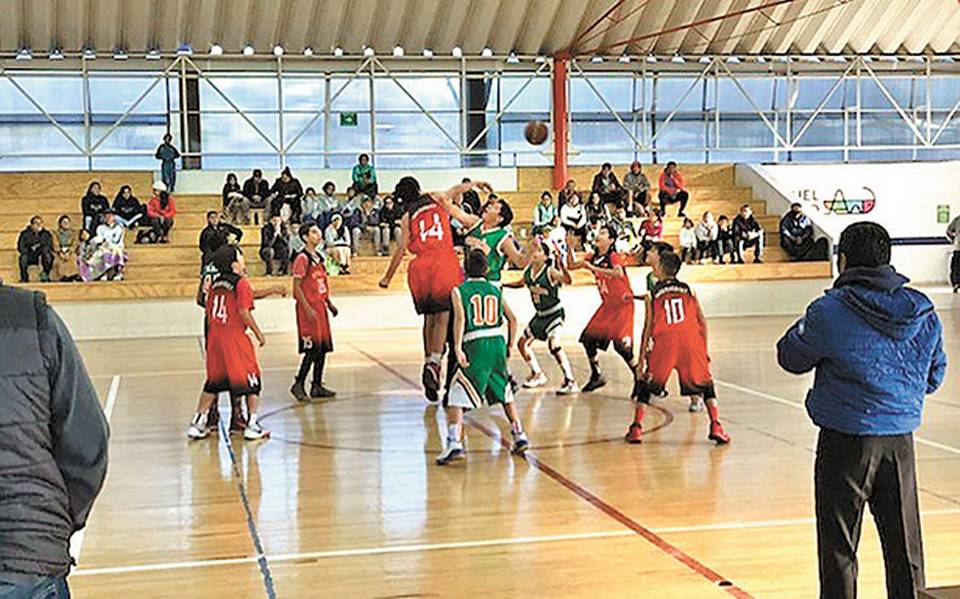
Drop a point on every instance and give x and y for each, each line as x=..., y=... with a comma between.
x=170, y=271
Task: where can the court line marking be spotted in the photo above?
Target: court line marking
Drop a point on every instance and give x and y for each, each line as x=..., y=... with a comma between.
x=76, y=540
x=425, y=547
x=152, y=373
x=651, y=537
x=798, y=405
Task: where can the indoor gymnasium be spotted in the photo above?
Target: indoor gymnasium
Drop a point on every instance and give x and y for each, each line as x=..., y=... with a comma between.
x=479, y=298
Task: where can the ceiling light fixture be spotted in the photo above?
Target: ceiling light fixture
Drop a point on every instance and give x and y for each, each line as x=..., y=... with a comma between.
x=308, y=51
x=56, y=54
x=278, y=50
x=397, y=51
x=338, y=51
x=427, y=53
x=248, y=50
x=486, y=52
x=216, y=50
x=457, y=52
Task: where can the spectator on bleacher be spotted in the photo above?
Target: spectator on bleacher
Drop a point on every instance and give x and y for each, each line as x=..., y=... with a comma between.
x=688, y=242
x=390, y=216
x=350, y=204
x=367, y=226
x=216, y=235
x=706, y=232
x=109, y=237
x=314, y=207
x=725, y=244
x=953, y=234
x=651, y=230
x=35, y=246
x=637, y=186
x=168, y=155
x=286, y=192
x=573, y=218
x=471, y=199
x=747, y=233
x=127, y=209
x=364, y=177
x=337, y=241
x=65, y=243
x=598, y=214
x=796, y=236
x=673, y=189
x=275, y=245
x=93, y=205
x=235, y=205
x=161, y=210
x=606, y=185
x=544, y=214
x=329, y=203
x=569, y=190
x=256, y=189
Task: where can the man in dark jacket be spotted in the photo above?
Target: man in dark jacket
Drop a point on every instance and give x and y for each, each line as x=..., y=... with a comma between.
x=796, y=236
x=287, y=191
x=256, y=189
x=35, y=245
x=877, y=349
x=53, y=450
x=747, y=233
x=606, y=185
x=216, y=235
x=275, y=245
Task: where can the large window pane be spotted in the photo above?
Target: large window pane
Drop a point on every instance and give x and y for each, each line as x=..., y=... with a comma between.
x=534, y=98
x=413, y=131
x=671, y=89
x=871, y=96
x=684, y=131
x=247, y=93
x=303, y=94
x=745, y=131
x=310, y=140
x=810, y=91
x=433, y=93
x=617, y=91
x=733, y=100
x=350, y=94
x=57, y=95
x=116, y=95
x=825, y=130
x=231, y=133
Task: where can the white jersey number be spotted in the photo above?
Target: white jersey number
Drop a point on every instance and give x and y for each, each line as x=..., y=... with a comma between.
x=220, y=308
x=674, y=310
x=436, y=230
x=486, y=310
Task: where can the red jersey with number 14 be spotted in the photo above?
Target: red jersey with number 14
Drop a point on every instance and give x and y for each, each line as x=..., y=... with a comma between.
x=613, y=289
x=228, y=294
x=430, y=230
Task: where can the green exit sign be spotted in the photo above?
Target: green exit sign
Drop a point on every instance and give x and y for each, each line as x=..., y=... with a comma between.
x=943, y=213
x=348, y=119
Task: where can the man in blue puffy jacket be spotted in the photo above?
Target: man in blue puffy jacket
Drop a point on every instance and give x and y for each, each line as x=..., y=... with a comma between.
x=877, y=348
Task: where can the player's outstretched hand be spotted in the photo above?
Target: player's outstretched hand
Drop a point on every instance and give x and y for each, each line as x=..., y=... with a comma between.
x=462, y=359
x=333, y=310
x=280, y=290
x=261, y=339
x=384, y=283
x=483, y=186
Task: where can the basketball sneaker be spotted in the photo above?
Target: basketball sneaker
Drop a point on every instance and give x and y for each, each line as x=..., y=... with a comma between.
x=570, y=387
x=634, y=433
x=254, y=431
x=431, y=381
x=595, y=382
x=299, y=392
x=717, y=434
x=520, y=442
x=321, y=392
x=453, y=452
x=238, y=423
x=535, y=380
x=213, y=418
x=696, y=404
x=198, y=428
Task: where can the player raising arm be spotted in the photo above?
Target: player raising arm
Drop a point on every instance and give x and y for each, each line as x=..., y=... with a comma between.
x=490, y=232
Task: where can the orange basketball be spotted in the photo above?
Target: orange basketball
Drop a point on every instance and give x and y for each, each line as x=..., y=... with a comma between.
x=536, y=132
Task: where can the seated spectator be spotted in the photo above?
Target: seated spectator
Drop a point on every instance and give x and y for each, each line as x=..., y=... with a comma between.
x=747, y=233
x=216, y=235
x=673, y=189
x=651, y=230
x=275, y=245
x=161, y=210
x=606, y=185
x=329, y=203
x=796, y=236
x=627, y=239
x=311, y=207
x=91, y=257
x=337, y=241
x=109, y=239
x=256, y=189
x=471, y=199
x=235, y=205
x=725, y=242
x=573, y=218
x=544, y=214
x=127, y=210
x=35, y=246
x=65, y=244
x=390, y=216
x=706, y=232
x=953, y=234
x=597, y=212
x=93, y=205
x=286, y=192
x=636, y=185
x=350, y=204
x=367, y=225
x=569, y=190
x=688, y=242
x=364, y=177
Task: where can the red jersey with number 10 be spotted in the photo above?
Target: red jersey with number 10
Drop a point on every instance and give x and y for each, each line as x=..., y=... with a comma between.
x=430, y=229
x=613, y=289
x=228, y=294
x=676, y=313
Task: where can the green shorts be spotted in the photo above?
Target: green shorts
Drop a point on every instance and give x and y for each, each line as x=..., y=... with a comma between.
x=486, y=380
x=542, y=327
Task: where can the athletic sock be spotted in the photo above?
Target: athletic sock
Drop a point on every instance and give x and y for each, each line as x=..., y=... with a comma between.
x=639, y=413
x=533, y=362
x=433, y=358
x=319, y=362
x=305, y=364
x=516, y=427
x=595, y=368
x=713, y=410
x=564, y=363
x=200, y=420
x=453, y=432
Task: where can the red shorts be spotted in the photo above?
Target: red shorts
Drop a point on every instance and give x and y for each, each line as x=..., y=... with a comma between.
x=431, y=280
x=232, y=364
x=314, y=333
x=613, y=322
x=688, y=357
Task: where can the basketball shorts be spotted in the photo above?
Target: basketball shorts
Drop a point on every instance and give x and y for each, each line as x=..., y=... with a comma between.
x=612, y=323
x=314, y=333
x=688, y=358
x=232, y=365
x=486, y=379
x=431, y=280
x=545, y=325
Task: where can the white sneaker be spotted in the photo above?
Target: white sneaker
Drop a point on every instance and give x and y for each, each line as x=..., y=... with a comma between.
x=520, y=442
x=254, y=431
x=535, y=380
x=569, y=388
x=696, y=404
x=453, y=452
x=198, y=428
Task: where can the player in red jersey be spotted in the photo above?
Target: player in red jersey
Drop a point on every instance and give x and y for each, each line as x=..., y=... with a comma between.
x=613, y=320
x=231, y=359
x=434, y=272
x=678, y=330
x=312, y=293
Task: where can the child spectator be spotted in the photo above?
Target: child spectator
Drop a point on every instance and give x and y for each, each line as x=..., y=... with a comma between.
x=544, y=214
x=724, y=240
x=109, y=239
x=688, y=242
x=127, y=210
x=275, y=246
x=569, y=190
x=605, y=185
x=337, y=238
x=65, y=244
x=93, y=204
x=161, y=210
x=706, y=232
x=598, y=214
x=235, y=205
x=311, y=207
x=747, y=233
x=573, y=218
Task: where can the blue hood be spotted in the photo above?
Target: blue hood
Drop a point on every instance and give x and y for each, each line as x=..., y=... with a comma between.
x=878, y=296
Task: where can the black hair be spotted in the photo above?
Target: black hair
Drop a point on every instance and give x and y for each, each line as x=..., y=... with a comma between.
x=120, y=193
x=611, y=231
x=662, y=247
x=286, y=171
x=865, y=244
x=722, y=217
x=224, y=258
x=62, y=216
x=90, y=187
x=546, y=194
x=669, y=164
x=35, y=217
x=506, y=213
x=407, y=191
x=670, y=264
x=304, y=230
x=234, y=175
x=465, y=180
x=257, y=172
x=744, y=206
x=362, y=156
x=309, y=189
x=328, y=184
x=605, y=165
x=475, y=264
x=796, y=205
x=211, y=213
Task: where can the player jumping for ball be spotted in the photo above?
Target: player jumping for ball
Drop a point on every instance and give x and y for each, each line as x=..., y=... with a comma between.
x=231, y=359
x=491, y=233
x=675, y=324
x=482, y=352
x=543, y=280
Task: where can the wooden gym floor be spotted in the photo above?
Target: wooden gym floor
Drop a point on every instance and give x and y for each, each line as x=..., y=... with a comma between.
x=345, y=500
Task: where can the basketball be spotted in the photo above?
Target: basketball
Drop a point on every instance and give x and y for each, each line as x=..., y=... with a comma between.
x=536, y=132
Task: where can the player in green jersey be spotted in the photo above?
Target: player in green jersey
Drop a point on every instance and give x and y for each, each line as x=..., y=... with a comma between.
x=490, y=232
x=543, y=278
x=481, y=377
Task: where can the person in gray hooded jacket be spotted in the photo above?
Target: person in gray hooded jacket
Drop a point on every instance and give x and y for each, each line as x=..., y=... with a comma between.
x=53, y=447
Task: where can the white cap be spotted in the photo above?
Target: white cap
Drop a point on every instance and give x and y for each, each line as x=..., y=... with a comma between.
x=159, y=185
